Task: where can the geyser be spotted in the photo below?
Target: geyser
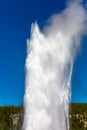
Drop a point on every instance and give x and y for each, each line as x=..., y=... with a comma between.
x=49, y=64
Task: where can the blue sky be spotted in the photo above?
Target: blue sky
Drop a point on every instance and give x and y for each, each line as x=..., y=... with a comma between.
x=16, y=17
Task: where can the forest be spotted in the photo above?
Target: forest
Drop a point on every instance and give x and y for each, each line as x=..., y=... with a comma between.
x=78, y=116
x=11, y=117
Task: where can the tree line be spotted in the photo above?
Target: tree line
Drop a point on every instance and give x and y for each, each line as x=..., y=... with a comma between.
x=11, y=117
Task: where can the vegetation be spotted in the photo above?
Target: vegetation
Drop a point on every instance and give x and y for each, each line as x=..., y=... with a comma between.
x=78, y=116
x=11, y=117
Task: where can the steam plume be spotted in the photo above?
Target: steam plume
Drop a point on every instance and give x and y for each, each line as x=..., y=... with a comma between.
x=49, y=64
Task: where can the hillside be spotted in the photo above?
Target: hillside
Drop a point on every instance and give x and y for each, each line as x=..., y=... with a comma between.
x=11, y=117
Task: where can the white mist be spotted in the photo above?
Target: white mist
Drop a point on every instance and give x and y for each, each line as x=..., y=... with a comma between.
x=49, y=66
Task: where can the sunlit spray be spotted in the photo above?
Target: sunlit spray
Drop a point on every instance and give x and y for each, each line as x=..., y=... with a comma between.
x=49, y=63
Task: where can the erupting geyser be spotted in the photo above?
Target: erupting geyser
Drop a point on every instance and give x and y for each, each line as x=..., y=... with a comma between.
x=49, y=66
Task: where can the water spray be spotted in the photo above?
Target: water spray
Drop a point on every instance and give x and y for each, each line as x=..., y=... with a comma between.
x=49, y=64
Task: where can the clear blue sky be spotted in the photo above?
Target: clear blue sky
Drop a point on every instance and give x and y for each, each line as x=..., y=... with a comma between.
x=16, y=17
